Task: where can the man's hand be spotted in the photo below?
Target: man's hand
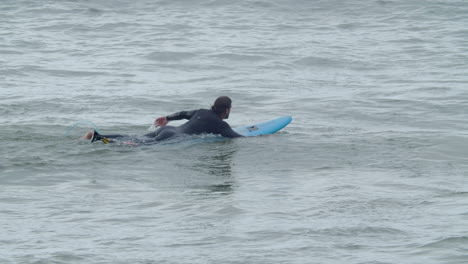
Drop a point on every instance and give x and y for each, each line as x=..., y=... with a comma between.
x=162, y=121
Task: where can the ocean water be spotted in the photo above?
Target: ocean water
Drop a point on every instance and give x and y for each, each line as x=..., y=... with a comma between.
x=373, y=168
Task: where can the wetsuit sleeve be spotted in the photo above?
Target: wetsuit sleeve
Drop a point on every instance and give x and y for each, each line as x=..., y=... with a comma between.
x=226, y=131
x=181, y=115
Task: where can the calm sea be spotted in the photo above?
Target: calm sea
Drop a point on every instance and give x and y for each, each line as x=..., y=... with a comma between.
x=373, y=168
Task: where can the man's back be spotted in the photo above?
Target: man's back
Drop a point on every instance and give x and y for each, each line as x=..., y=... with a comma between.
x=207, y=121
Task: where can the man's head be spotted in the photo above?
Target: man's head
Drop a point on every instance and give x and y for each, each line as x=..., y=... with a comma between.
x=222, y=106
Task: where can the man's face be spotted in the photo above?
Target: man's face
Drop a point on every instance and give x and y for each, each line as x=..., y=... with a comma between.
x=226, y=114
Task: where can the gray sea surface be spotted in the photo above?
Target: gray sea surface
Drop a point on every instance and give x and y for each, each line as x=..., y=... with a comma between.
x=373, y=168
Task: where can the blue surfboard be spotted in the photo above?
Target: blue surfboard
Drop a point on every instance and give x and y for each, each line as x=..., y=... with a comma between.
x=265, y=128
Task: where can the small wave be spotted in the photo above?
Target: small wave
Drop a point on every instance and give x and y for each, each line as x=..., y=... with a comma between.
x=352, y=231
x=170, y=56
x=198, y=80
x=230, y=211
x=448, y=242
x=94, y=11
x=313, y=61
x=239, y=57
x=63, y=73
x=10, y=52
x=262, y=4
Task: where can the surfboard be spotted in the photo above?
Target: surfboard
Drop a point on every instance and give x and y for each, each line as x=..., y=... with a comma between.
x=265, y=128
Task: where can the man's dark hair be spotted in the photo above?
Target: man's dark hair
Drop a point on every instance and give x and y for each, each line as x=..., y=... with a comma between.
x=221, y=104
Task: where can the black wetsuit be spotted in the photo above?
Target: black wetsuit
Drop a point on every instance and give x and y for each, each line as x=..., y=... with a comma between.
x=200, y=121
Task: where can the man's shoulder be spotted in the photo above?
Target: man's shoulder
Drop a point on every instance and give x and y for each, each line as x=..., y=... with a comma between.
x=206, y=112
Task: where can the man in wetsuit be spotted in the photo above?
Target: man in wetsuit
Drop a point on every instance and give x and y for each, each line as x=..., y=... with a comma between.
x=200, y=121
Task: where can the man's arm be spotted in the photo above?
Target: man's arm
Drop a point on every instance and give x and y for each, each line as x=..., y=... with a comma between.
x=162, y=121
x=226, y=131
x=181, y=115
